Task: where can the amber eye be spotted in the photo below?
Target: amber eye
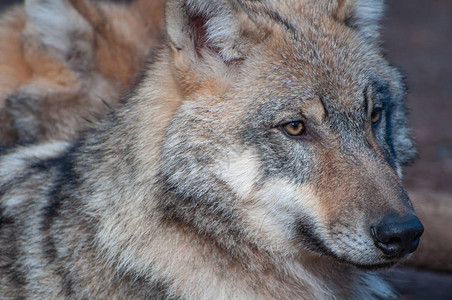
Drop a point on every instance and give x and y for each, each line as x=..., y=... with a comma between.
x=376, y=116
x=293, y=129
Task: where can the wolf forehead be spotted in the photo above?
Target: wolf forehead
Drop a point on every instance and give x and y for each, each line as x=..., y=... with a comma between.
x=297, y=94
x=279, y=87
x=322, y=58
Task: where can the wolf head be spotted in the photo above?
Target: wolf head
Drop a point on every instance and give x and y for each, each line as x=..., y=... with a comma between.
x=290, y=131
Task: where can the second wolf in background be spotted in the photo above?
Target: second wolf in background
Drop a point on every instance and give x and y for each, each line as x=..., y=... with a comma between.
x=66, y=63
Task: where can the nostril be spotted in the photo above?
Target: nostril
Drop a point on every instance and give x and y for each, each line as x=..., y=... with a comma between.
x=389, y=247
x=373, y=233
x=383, y=237
x=391, y=250
x=393, y=240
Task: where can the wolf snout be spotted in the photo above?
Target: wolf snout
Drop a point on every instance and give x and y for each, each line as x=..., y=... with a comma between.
x=396, y=236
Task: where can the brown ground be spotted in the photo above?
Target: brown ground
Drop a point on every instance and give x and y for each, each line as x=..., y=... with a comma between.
x=418, y=39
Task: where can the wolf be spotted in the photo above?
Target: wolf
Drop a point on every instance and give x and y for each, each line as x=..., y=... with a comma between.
x=259, y=157
x=65, y=64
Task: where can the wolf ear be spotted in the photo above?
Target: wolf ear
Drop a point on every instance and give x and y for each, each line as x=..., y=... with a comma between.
x=55, y=29
x=362, y=15
x=203, y=29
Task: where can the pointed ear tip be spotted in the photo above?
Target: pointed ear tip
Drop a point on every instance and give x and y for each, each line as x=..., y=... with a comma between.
x=362, y=15
x=370, y=8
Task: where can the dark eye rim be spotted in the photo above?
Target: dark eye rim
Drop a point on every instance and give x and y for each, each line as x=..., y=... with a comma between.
x=302, y=133
x=375, y=111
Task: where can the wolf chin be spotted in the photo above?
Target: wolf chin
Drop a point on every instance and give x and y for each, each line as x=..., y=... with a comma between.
x=260, y=157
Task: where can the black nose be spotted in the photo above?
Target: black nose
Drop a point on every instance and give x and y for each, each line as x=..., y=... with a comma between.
x=397, y=236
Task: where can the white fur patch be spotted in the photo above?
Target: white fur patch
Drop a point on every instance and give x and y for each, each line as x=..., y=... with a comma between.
x=270, y=206
x=15, y=163
x=280, y=203
x=239, y=171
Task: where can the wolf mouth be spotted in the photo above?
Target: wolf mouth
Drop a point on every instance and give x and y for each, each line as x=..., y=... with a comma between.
x=367, y=266
x=319, y=247
x=375, y=267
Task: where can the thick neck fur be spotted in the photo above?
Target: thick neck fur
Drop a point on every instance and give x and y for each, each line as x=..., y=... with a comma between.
x=193, y=264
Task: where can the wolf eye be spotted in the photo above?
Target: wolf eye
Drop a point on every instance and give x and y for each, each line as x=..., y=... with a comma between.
x=376, y=116
x=293, y=129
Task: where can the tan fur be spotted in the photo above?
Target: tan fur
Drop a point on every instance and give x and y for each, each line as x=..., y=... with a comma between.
x=48, y=97
x=14, y=68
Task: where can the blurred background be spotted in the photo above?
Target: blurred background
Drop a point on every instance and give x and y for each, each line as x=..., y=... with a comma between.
x=418, y=40
x=417, y=36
